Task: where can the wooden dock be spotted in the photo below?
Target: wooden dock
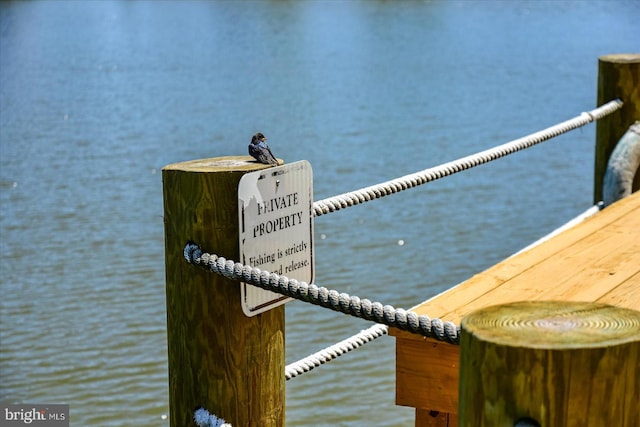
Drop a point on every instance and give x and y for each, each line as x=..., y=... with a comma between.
x=598, y=260
x=232, y=365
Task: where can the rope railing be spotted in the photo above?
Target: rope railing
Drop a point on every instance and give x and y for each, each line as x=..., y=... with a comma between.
x=334, y=351
x=384, y=315
x=323, y=297
x=396, y=185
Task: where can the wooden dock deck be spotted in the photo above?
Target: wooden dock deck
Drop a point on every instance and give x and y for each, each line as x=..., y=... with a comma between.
x=598, y=260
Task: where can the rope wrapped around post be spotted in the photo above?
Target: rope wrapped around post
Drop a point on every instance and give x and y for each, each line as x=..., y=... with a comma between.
x=323, y=297
x=204, y=418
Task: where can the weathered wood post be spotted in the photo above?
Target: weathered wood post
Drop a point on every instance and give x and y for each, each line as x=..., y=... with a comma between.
x=552, y=364
x=618, y=77
x=220, y=359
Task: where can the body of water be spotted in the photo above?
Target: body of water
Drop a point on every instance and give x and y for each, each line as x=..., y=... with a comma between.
x=96, y=97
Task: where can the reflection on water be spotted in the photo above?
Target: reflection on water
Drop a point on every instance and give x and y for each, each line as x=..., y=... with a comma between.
x=96, y=97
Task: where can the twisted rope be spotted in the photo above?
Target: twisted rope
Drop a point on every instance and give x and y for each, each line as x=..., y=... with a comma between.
x=321, y=357
x=377, y=191
x=323, y=297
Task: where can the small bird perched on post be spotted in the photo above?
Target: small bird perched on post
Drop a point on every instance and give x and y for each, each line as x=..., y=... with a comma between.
x=260, y=151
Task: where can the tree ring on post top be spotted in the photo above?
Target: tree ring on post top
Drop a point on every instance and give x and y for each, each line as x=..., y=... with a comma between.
x=221, y=164
x=554, y=325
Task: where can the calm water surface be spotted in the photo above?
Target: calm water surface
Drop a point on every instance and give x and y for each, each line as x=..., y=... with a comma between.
x=96, y=97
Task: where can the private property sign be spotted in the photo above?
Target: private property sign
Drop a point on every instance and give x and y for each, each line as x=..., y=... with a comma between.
x=276, y=228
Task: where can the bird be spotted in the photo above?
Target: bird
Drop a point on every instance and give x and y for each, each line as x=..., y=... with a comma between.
x=260, y=151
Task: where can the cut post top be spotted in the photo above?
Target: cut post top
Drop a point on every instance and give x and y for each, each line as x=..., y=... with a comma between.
x=621, y=58
x=554, y=325
x=220, y=164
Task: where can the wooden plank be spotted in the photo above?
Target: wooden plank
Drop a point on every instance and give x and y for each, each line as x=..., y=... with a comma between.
x=427, y=362
x=626, y=294
x=582, y=272
x=622, y=217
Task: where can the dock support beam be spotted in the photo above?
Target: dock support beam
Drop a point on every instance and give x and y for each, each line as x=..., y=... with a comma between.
x=618, y=77
x=230, y=364
x=550, y=364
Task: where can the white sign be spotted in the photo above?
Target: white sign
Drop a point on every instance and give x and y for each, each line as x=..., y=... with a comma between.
x=276, y=229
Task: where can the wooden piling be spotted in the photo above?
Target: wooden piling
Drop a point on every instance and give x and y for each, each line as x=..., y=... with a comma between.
x=618, y=77
x=550, y=363
x=230, y=364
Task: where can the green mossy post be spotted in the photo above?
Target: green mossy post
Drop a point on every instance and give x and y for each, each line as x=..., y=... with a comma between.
x=570, y=364
x=618, y=77
x=230, y=364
